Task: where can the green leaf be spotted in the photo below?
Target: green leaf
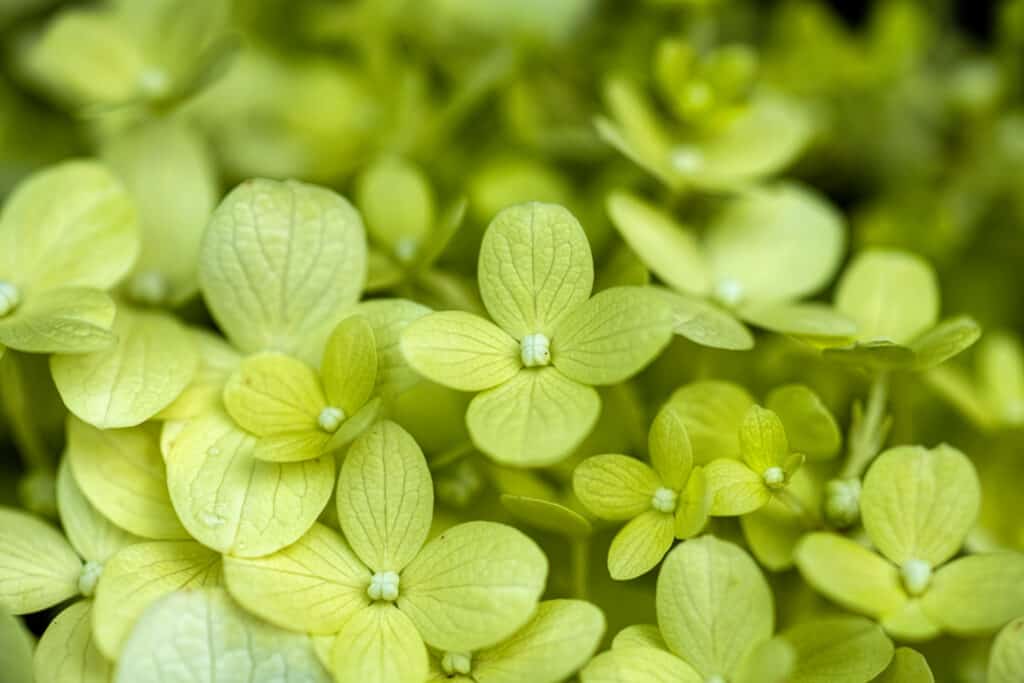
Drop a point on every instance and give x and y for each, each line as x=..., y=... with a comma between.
x=559, y=639
x=38, y=568
x=947, y=339
x=66, y=651
x=919, y=504
x=1006, y=661
x=977, y=594
x=712, y=412
x=735, y=488
x=547, y=515
x=397, y=203
x=349, y=367
x=71, y=225
x=272, y=393
x=535, y=266
x=236, y=504
x=536, y=418
x=612, y=336
x=123, y=386
x=473, y=585
x=615, y=487
x=16, y=645
x=907, y=666
x=640, y=545
x=461, y=350
x=70, y=320
x=314, y=585
x=187, y=635
x=809, y=425
x=892, y=295
x=774, y=244
x=122, y=473
x=279, y=265
x=638, y=665
x=379, y=645
x=839, y=650
x=812, y=322
x=714, y=605
x=385, y=497
x=850, y=574
x=94, y=537
x=141, y=574
x=708, y=325
x=666, y=247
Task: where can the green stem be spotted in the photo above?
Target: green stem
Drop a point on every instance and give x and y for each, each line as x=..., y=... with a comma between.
x=580, y=548
x=869, y=428
x=807, y=514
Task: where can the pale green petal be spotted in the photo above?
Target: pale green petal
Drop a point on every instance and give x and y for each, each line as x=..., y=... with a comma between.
x=122, y=473
x=272, y=393
x=713, y=604
x=355, y=425
x=770, y=661
x=461, y=350
x=547, y=515
x=812, y=322
x=292, y=446
x=71, y=320
x=694, y=505
x=201, y=636
x=763, y=442
x=712, y=412
x=615, y=487
x=907, y=666
x=612, y=336
x=385, y=497
x=445, y=228
x=279, y=265
x=236, y=504
x=670, y=250
x=636, y=131
x=910, y=623
x=535, y=266
x=94, y=537
x=919, y=503
x=774, y=531
x=556, y=642
x=850, y=574
x=774, y=244
x=1006, y=661
x=152, y=362
x=638, y=665
x=809, y=425
x=536, y=418
x=314, y=585
x=71, y=225
x=640, y=545
x=38, y=568
x=141, y=574
x=397, y=203
x=669, y=447
x=379, y=644
x=217, y=361
x=892, y=295
x=945, y=340
x=839, y=650
x=67, y=651
x=977, y=594
x=735, y=488
x=708, y=325
x=389, y=318
x=16, y=644
x=1001, y=374
x=349, y=367
x=472, y=586
x=640, y=635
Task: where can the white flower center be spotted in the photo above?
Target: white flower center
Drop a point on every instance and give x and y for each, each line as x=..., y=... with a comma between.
x=330, y=419
x=153, y=81
x=535, y=350
x=89, y=577
x=687, y=159
x=405, y=249
x=842, y=501
x=664, y=500
x=383, y=586
x=916, y=574
x=774, y=477
x=149, y=287
x=714, y=678
x=729, y=291
x=457, y=663
x=10, y=297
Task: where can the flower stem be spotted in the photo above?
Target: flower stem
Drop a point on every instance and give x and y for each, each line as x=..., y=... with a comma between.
x=580, y=548
x=869, y=428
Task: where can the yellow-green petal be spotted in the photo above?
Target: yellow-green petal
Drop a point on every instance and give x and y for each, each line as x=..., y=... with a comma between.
x=706, y=324
x=774, y=531
x=838, y=650
x=122, y=473
x=397, y=203
x=763, y=442
x=945, y=340
x=349, y=367
x=1001, y=374
x=535, y=266
x=640, y=635
x=280, y=263
x=217, y=361
x=547, y=515
x=809, y=425
x=536, y=418
x=461, y=350
x=813, y=322
x=1006, y=661
x=919, y=503
x=473, y=585
x=94, y=537
x=850, y=574
x=148, y=367
x=314, y=585
x=977, y=594
x=910, y=623
x=141, y=574
x=907, y=666
x=67, y=651
x=389, y=318
x=694, y=505
x=379, y=644
x=712, y=411
x=66, y=320
x=713, y=604
x=735, y=489
x=770, y=661
x=16, y=646
x=669, y=447
x=615, y=487
x=612, y=336
x=385, y=497
x=38, y=568
x=640, y=545
x=272, y=393
x=638, y=665
x=292, y=446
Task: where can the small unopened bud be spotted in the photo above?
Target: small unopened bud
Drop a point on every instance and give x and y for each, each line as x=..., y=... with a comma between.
x=10, y=297
x=453, y=663
x=842, y=502
x=916, y=575
x=383, y=586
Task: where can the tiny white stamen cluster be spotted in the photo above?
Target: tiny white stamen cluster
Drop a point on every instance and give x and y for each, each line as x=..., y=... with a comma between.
x=535, y=350
x=664, y=500
x=383, y=586
x=774, y=477
x=916, y=575
x=729, y=291
x=153, y=81
x=10, y=297
x=687, y=159
x=89, y=577
x=149, y=287
x=405, y=249
x=330, y=419
x=453, y=663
